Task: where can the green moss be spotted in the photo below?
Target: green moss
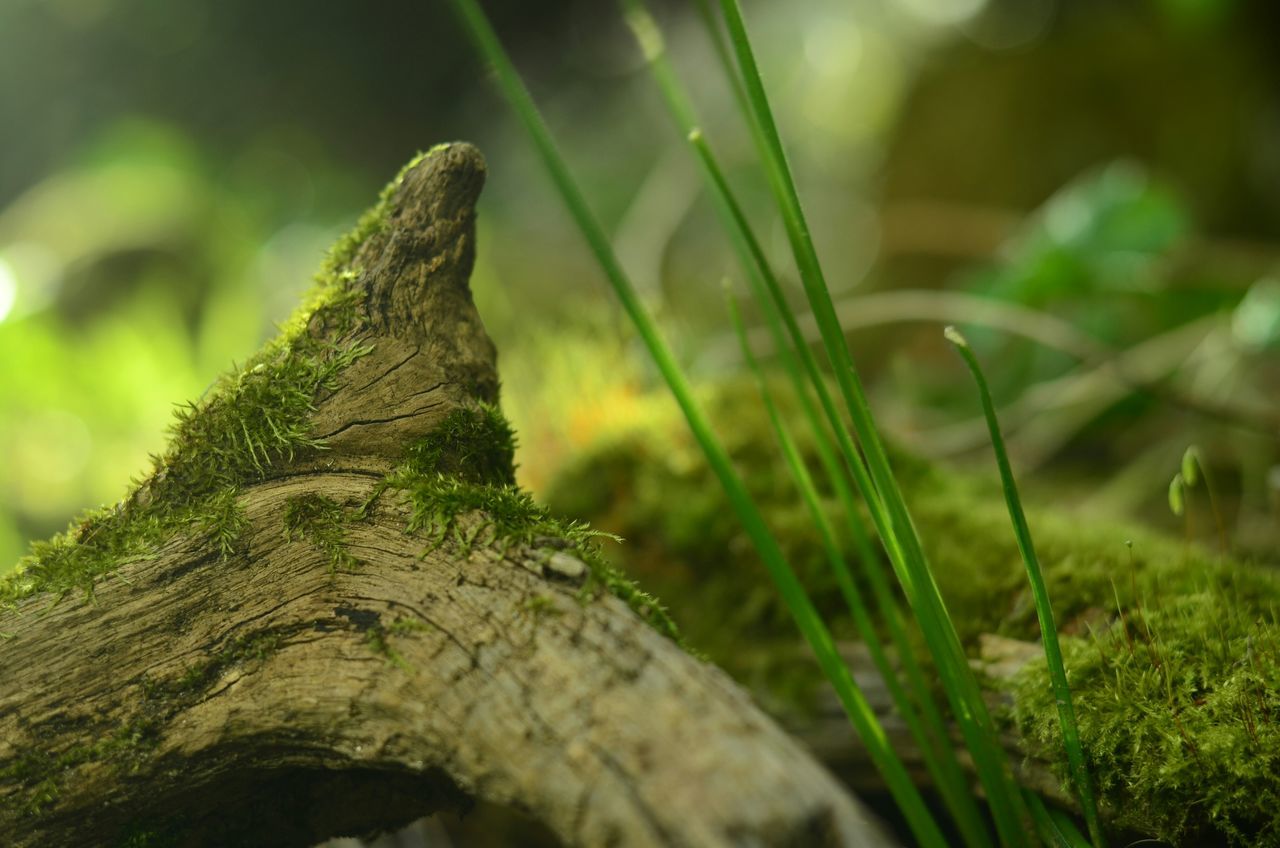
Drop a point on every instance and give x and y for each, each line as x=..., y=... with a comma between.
x=541, y=605
x=199, y=678
x=251, y=420
x=223, y=520
x=163, y=834
x=655, y=490
x=404, y=626
x=475, y=444
x=322, y=522
x=1171, y=653
x=1177, y=699
x=338, y=268
x=459, y=483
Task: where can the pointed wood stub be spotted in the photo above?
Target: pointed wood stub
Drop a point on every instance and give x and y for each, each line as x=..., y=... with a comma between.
x=430, y=349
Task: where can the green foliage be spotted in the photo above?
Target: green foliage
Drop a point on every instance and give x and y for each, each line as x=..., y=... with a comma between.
x=1044, y=609
x=627, y=486
x=475, y=444
x=224, y=520
x=252, y=419
x=1176, y=705
x=1210, y=621
x=1102, y=233
x=460, y=482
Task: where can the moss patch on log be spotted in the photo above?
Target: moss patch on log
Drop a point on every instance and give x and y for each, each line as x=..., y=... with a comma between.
x=475, y=444
x=1177, y=698
x=459, y=482
x=252, y=419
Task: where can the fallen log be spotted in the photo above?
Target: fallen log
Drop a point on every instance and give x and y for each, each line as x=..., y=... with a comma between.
x=327, y=611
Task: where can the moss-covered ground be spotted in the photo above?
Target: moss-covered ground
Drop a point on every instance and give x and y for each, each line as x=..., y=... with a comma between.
x=1172, y=652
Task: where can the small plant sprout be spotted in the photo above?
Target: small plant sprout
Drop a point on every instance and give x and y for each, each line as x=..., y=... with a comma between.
x=1178, y=487
x=1193, y=471
x=1044, y=611
x=1178, y=499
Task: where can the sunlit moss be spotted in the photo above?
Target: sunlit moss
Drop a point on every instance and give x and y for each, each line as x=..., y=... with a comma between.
x=459, y=481
x=250, y=421
x=451, y=509
x=1176, y=701
x=472, y=443
x=223, y=520
x=1171, y=654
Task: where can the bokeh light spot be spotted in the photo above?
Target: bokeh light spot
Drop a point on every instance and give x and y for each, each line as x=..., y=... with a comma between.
x=8, y=288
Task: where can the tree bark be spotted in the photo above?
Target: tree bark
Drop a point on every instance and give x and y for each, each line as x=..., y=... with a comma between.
x=266, y=697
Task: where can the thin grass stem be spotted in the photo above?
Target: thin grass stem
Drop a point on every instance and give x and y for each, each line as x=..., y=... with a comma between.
x=1040, y=593
x=1054, y=826
x=943, y=764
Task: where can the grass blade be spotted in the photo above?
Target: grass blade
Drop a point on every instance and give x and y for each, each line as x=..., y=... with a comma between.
x=946, y=780
x=798, y=602
x=1054, y=826
x=1040, y=592
x=1007, y=806
x=930, y=733
x=848, y=588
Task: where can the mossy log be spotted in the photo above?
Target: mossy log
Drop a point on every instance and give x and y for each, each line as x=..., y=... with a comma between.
x=327, y=611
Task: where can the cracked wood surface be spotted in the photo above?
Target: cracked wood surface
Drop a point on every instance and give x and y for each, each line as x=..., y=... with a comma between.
x=267, y=699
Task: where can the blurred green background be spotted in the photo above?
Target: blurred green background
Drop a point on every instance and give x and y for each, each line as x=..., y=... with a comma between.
x=1091, y=188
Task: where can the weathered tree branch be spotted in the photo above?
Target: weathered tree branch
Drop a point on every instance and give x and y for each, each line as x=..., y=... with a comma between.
x=306, y=665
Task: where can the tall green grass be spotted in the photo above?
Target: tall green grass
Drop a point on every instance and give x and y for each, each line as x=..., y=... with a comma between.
x=849, y=447
x=1039, y=592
